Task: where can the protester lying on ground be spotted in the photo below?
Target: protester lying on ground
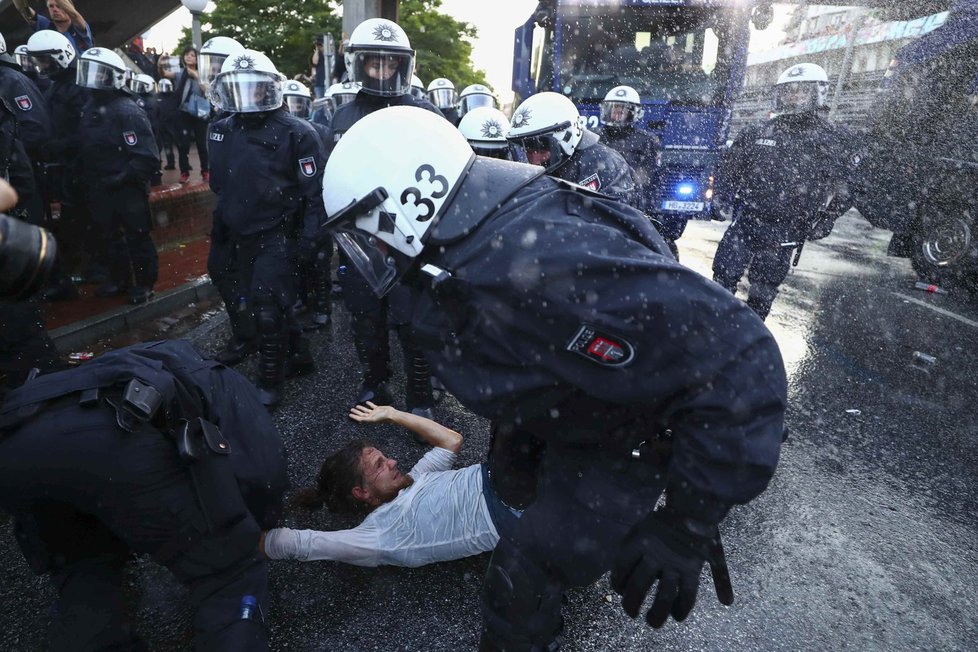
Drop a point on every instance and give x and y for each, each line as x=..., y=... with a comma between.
x=431, y=514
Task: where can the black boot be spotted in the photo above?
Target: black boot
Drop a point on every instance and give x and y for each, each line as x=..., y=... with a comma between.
x=244, y=338
x=300, y=361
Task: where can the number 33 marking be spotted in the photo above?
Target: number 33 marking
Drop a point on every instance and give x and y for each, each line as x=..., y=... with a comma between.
x=414, y=197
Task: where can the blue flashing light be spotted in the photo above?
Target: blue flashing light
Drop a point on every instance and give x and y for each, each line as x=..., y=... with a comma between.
x=685, y=189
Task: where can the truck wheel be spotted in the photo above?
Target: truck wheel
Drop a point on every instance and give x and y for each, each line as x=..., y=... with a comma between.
x=941, y=246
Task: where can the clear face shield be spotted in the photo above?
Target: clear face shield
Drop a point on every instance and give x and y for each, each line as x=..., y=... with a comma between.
x=240, y=91
x=209, y=66
x=474, y=101
x=43, y=64
x=24, y=61
x=360, y=230
x=492, y=149
x=619, y=114
x=799, y=97
x=339, y=99
x=443, y=98
x=384, y=72
x=96, y=75
x=139, y=87
x=299, y=106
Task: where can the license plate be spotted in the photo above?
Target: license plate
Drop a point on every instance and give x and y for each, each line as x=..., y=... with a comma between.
x=685, y=206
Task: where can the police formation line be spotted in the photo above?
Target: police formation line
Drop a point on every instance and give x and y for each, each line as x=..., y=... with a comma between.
x=517, y=263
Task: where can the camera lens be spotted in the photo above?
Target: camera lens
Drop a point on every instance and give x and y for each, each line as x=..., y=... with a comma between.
x=26, y=256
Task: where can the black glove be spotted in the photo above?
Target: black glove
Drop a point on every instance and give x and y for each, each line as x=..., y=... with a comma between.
x=671, y=549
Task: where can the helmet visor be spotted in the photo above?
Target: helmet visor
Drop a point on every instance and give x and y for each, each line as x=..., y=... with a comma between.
x=474, y=101
x=443, y=98
x=97, y=75
x=618, y=114
x=380, y=264
x=44, y=65
x=209, y=66
x=298, y=106
x=339, y=99
x=241, y=91
x=24, y=60
x=140, y=87
x=384, y=72
x=797, y=97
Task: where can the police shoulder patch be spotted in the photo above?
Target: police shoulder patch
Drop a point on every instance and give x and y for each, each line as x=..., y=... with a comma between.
x=129, y=137
x=308, y=166
x=24, y=102
x=601, y=347
x=592, y=182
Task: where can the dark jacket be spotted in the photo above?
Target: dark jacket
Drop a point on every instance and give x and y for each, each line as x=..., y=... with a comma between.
x=364, y=104
x=598, y=167
x=29, y=107
x=267, y=171
x=641, y=150
x=116, y=141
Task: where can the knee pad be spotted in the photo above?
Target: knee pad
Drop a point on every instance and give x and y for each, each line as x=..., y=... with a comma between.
x=269, y=317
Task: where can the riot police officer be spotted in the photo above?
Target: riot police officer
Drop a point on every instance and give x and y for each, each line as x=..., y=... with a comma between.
x=315, y=281
x=417, y=88
x=485, y=128
x=267, y=174
x=548, y=128
x=379, y=57
x=784, y=181
x=441, y=93
x=475, y=96
x=560, y=314
x=23, y=96
x=213, y=53
x=621, y=114
x=54, y=59
x=143, y=88
x=151, y=450
x=121, y=157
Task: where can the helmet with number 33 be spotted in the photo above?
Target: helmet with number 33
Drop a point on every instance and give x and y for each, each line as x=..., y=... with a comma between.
x=380, y=219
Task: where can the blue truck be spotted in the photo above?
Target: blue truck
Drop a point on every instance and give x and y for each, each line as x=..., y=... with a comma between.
x=918, y=175
x=686, y=58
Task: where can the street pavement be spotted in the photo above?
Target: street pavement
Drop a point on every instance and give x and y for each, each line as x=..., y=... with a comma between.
x=864, y=540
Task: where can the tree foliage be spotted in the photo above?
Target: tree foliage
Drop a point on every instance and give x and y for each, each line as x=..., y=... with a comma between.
x=285, y=31
x=442, y=43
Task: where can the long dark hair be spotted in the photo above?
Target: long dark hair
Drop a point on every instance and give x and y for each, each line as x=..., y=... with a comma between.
x=338, y=475
x=187, y=49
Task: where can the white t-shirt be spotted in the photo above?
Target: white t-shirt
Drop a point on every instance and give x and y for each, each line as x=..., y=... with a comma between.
x=442, y=516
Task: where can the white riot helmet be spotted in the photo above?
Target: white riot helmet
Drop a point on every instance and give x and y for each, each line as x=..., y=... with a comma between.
x=802, y=88
x=298, y=99
x=213, y=53
x=417, y=88
x=102, y=69
x=342, y=93
x=441, y=93
x=622, y=107
x=380, y=58
x=547, y=122
x=142, y=84
x=23, y=57
x=381, y=220
x=164, y=86
x=475, y=96
x=248, y=83
x=50, y=52
x=485, y=128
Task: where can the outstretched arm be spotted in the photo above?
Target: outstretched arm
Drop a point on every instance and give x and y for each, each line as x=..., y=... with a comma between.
x=29, y=15
x=433, y=433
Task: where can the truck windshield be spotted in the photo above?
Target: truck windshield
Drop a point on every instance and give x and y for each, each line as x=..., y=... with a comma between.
x=666, y=54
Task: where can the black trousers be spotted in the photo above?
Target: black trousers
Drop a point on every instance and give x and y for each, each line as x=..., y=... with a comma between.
x=753, y=245
x=191, y=130
x=86, y=494
x=124, y=222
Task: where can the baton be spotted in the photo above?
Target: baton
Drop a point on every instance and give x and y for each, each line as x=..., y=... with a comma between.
x=720, y=572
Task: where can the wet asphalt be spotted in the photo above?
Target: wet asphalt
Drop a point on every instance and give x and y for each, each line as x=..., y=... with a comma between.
x=864, y=540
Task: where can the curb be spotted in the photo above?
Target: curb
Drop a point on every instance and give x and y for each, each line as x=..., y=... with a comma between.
x=76, y=336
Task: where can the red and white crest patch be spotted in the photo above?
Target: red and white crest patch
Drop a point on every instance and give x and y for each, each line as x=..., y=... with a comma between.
x=308, y=166
x=592, y=182
x=130, y=137
x=601, y=347
x=24, y=103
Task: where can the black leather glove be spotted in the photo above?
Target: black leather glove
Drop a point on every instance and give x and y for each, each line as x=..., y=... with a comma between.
x=671, y=549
